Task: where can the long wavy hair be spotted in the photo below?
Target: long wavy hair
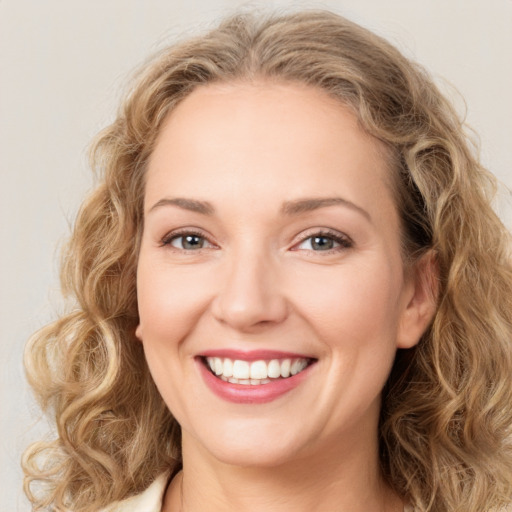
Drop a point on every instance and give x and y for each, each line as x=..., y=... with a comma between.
x=447, y=408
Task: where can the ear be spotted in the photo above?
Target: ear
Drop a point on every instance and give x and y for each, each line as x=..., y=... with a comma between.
x=138, y=332
x=421, y=294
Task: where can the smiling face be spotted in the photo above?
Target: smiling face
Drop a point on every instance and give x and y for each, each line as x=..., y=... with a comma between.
x=271, y=289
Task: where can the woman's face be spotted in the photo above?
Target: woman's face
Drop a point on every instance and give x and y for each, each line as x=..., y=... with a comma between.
x=271, y=247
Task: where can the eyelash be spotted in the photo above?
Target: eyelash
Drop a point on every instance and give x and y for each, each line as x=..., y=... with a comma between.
x=343, y=241
x=170, y=237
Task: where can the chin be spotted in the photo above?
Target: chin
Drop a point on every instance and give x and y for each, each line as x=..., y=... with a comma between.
x=253, y=457
x=258, y=451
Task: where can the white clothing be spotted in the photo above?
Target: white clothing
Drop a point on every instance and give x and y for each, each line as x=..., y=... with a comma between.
x=151, y=499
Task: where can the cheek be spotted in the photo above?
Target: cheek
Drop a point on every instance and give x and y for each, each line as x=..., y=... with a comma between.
x=357, y=302
x=170, y=301
x=170, y=306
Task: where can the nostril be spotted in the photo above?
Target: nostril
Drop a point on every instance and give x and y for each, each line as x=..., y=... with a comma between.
x=250, y=312
x=250, y=296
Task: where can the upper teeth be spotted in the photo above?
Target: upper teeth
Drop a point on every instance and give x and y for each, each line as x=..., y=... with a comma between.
x=240, y=369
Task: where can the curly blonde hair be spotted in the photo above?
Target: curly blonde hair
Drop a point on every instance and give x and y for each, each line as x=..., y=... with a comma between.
x=447, y=409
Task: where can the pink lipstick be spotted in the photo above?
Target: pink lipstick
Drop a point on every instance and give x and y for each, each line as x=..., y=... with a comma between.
x=253, y=377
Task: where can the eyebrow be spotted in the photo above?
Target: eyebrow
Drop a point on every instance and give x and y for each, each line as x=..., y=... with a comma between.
x=295, y=207
x=193, y=205
x=309, y=204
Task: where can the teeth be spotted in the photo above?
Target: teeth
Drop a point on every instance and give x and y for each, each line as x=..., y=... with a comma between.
x=256, y=372
x=228, y=368
x=285, y=368
x=259, y=370
x=254, y=382
x=274, y=369
x=218, y=366
x=241, y=369
x=297, y=366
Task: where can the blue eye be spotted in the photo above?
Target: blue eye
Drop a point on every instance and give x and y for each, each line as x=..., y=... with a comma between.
x=324, y=242
x=187, y=242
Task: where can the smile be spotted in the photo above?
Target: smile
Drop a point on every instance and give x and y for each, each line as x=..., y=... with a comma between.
x=253, y=377
x=238, y=371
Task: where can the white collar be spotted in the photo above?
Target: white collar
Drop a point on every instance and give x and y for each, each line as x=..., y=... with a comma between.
x=150, y=500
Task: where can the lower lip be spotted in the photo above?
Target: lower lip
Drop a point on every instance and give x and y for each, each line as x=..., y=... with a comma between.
x=251, y=394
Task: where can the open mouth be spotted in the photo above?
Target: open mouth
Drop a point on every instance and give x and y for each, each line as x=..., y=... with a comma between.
x=255, y=373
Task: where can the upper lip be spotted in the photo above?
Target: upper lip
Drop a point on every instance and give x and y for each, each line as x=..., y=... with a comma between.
x=253, y=355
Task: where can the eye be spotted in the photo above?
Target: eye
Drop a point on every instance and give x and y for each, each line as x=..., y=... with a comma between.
x=186, y=241
x=324, y=242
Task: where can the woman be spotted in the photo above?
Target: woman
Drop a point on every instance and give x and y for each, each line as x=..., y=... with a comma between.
x=291, y=291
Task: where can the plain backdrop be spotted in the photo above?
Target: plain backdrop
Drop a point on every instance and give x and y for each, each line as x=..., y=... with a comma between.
x=63, y=64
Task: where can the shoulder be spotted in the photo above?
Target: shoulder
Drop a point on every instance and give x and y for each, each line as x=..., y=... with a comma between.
x=148, y=501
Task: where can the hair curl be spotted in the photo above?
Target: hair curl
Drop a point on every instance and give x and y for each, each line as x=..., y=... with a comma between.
x=446, y=414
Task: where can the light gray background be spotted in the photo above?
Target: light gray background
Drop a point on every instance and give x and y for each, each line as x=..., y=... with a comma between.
x=62, y=67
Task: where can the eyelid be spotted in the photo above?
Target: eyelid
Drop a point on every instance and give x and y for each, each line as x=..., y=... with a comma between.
x=344, y=241
x=182, y=232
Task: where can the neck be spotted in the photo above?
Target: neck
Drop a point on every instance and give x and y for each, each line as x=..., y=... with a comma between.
x=340, y=480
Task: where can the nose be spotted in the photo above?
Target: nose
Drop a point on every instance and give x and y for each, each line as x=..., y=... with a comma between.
x=250, y=295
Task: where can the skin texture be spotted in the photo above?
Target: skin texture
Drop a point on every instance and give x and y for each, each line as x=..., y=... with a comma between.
x=258, y=282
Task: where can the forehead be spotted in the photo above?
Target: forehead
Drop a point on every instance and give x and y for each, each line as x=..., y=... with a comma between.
x=258, y=137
